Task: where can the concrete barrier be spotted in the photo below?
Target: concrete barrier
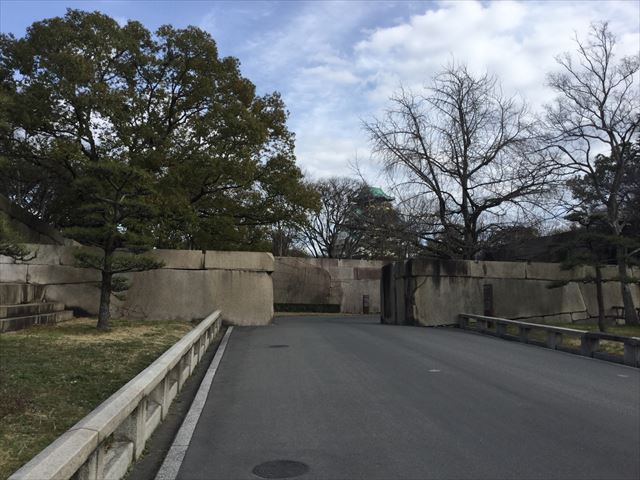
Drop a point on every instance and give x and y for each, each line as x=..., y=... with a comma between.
x=190, y=285
x=589, y=341
x=433, y=292
x=328, y=282
x=104, y=443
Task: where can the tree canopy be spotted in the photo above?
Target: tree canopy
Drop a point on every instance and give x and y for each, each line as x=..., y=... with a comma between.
x=81, y=89
x=593, y=122
x=128, y=139
x=467, y=153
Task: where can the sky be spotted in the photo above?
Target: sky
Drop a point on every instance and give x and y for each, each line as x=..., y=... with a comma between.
x=337, y=63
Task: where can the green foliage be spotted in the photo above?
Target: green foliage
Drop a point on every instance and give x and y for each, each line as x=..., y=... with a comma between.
x=599, y=239
x=9, y=242
x=120, y=262
x=128, y=139
x=81, y=91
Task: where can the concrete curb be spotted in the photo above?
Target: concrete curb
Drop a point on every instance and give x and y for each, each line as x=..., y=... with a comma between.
x=175, y=456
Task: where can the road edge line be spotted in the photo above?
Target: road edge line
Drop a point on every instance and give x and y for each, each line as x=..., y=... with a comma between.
x=173, y=460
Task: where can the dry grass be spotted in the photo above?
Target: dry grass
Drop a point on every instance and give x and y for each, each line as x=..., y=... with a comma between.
x=616, y=348
x=51, y=376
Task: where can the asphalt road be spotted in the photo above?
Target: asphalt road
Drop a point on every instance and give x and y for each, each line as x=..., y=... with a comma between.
x=352, y=398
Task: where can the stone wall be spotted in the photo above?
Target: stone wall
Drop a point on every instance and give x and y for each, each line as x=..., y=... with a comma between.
x=318, y=282
x=434, y=292
x=190, y=286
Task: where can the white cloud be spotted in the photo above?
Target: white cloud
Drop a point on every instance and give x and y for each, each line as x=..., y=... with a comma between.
x=337, y=63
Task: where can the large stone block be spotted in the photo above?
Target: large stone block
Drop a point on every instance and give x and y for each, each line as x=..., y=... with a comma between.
x=419, y=267
x=179, y=259
x=82, y=298
x=251, y=261
x=353, y=293
x=439, y=300
x=245, y=297
x=515, y=270
x=465, y=268
x=53, y=254
x=611, y=295
x=13, y=273
x=368, y=273
x=48, y=274
x=349, y=280
x=298, y=282
x=521, y=299
x=16, y=293
x=341, y=273
x=325, y=263
x=4, y=260
x=552, y=271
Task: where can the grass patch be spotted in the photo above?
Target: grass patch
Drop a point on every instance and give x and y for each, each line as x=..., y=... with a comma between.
x=51, y=376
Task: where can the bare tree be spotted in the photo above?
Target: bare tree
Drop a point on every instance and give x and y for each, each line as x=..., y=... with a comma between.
x=327, y=233
x=596, y=113
x=465, y=156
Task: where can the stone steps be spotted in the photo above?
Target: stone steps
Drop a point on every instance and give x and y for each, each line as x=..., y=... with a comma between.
x=23, y=305
x=18, y=323
x=27, y=309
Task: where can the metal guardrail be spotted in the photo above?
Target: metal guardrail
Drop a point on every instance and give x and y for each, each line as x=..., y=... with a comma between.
x=589, y=341
x=104, y=443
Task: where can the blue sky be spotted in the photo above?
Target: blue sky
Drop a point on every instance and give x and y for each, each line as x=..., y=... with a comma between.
x=337, y=63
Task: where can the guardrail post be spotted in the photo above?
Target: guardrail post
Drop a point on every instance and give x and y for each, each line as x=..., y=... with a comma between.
x=193, y=355
x=463, y=321
x=501, y=329
x=93, y=468
x=554, y=339
x=132, y=429
x=203, y=348
x=160, y=395
x=524, y=333
x=482, y=323
x=632, y=354
x=588, y=345
x=185, y=369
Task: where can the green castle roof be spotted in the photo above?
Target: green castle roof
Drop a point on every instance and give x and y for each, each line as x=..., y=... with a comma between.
x=378, y=193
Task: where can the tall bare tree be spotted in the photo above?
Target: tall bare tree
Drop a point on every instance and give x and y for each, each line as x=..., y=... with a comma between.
x=327, y=234
x=466, y=157
x=597, y=112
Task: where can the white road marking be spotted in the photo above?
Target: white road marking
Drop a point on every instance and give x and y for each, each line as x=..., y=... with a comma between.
x=175, y=456
x=434, y=370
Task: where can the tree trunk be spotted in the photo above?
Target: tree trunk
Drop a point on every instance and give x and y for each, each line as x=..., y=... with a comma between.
x=104, y=313
x=630, y=315
x=600, y=298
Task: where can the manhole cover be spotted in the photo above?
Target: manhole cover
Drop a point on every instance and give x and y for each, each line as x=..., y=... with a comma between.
x=280, y=469
x=278, y=346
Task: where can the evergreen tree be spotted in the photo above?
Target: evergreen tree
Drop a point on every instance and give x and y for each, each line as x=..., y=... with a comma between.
x=127, y=139
x=10, y=242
